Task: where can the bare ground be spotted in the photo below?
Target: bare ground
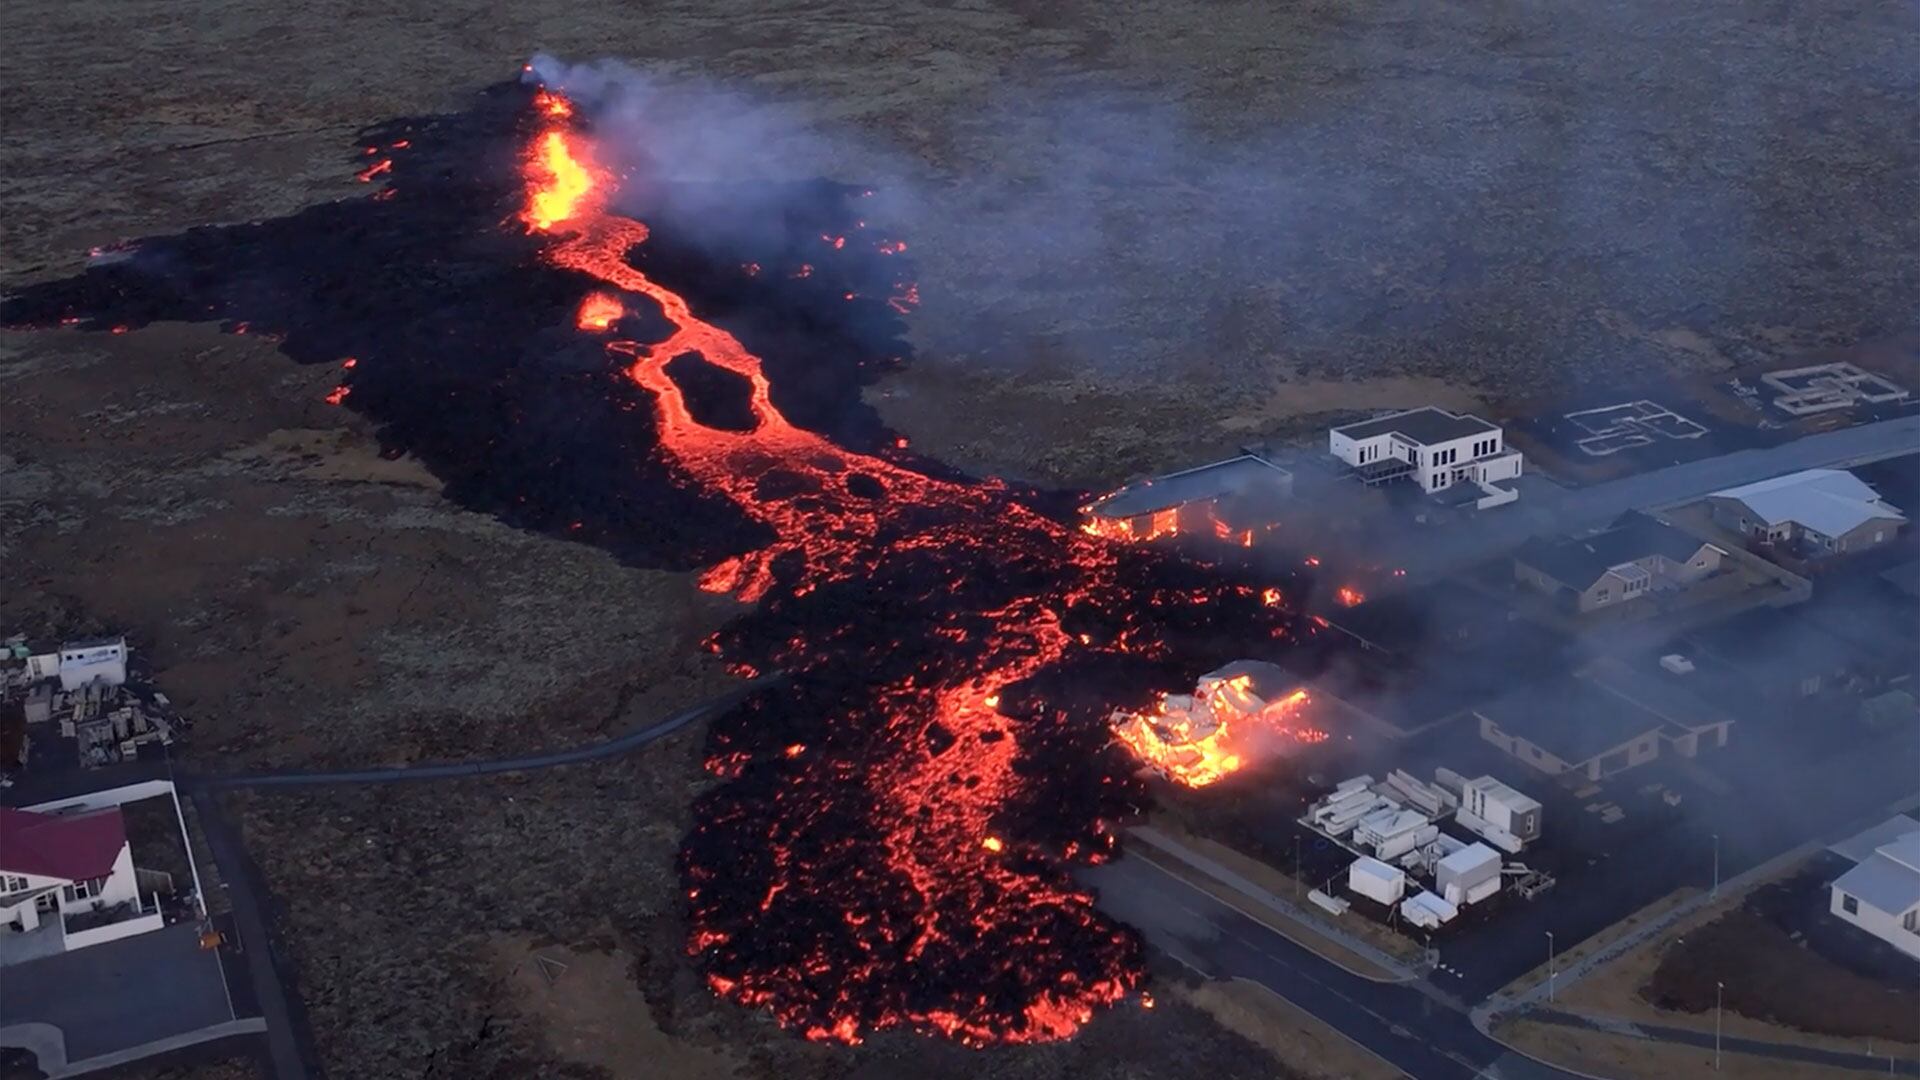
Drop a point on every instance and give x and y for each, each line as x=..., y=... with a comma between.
x=1145, y=231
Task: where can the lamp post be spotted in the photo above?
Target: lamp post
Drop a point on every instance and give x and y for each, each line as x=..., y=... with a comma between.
x=1550, y=970
x=1719, y=989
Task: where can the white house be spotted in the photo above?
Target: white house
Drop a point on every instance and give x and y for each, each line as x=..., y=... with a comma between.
x=97, y=660
x=1437, y=448
x=1821, y=511
x=71, y=875
x=1881, y=895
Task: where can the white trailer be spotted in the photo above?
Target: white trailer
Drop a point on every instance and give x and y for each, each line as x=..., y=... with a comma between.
x=1425, y=910
x=1488, y=831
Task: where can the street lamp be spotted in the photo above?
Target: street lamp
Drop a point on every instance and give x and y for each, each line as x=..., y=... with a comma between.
x=1719, y=989
x=1550, y=971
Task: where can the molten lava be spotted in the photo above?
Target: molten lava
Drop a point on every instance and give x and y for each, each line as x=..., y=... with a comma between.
x=558, y=182
x=887, y=850
x=1201, y=738
x=1348, y=596
x=598, y=312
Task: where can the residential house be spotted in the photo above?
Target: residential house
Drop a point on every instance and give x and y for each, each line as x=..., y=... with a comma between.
x=1438, y=449
x=72, y=871
x=1631, y=560
x=1881, y=894
x=1818, y=512
x=1600, y=722
x=1230, y=499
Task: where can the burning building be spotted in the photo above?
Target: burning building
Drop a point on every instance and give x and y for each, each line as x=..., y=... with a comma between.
x=1233, y=499
x=1234, y=714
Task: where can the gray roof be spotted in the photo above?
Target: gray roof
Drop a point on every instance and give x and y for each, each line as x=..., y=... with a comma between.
x=1571, y=718
x=1580, y=561
x=1832, y=502
x=1425, y=426
x=1860, y=846
x=1234, y=476
x=1882, y=883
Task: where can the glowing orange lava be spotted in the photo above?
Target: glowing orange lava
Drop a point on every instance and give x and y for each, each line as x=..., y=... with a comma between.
x=598, y=312
x=1348, y=596
x=929, y=825
x=558, y=182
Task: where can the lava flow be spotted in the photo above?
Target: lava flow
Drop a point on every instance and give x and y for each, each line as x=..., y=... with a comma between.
x=889, y=839
x=892, y=891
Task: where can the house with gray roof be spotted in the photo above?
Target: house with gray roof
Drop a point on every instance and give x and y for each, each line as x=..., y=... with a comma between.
x=1817, y=512
x=1228, y=499
x=1630, y=560
x=1881, y=894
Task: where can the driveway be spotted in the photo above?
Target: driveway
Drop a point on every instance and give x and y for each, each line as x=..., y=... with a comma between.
x=110, y=998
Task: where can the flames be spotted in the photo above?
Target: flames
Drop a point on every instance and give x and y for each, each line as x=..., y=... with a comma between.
x=878, y=858
x=1348, y=596
x=1202, y=738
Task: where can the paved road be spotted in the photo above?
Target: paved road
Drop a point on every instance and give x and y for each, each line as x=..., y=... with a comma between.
x=1414, y=1027
x=1427, y=553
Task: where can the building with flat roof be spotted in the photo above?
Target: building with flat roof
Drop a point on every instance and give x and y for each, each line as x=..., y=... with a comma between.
x=1434, y=447
x=1817, y=512
x=1230, y=499
x=1631, y=560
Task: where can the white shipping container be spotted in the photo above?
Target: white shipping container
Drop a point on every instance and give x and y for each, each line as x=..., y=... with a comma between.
x=1483, y=890
x=1467, y=868
x=1376, y=880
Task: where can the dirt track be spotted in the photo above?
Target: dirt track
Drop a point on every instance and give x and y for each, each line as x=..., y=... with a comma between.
x=1145, y=231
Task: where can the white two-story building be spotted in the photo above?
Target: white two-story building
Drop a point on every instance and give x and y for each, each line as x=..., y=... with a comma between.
x=71, y=878
x=1438, y=449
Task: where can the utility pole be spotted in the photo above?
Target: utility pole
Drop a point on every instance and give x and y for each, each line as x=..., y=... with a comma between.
x=1719, y=988
x=1550, y=970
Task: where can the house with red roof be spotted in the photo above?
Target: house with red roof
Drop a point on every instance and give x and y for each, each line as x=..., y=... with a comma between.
x=71, y=870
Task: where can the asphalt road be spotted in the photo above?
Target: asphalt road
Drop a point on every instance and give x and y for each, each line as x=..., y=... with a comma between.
x=1414, y=1027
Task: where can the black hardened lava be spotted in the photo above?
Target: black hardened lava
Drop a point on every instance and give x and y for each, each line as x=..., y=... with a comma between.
x=464, y=352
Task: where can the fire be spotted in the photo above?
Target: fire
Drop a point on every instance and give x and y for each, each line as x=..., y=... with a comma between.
x=992, y=843
x=1349, y=596
x=1270, y=597
x=559, y=183
x=598, y=311
x=553, y=105
x=1201, y=738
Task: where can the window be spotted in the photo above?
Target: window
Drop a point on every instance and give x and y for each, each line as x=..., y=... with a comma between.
x=1850, y=905
x=1911, y=920
x=1603, y=596
x=1879, y=535
x=12, y=884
